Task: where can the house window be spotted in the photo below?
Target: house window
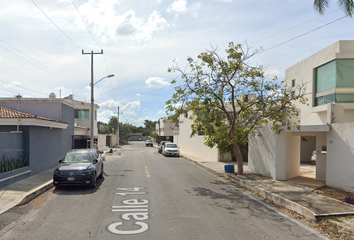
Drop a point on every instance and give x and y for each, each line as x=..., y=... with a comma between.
x=201, y=133
x=293, y=83
x=82, y=114
x=332, y=77
x=292, y=94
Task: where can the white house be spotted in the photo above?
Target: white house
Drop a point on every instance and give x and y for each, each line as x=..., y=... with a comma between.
x=327, y=123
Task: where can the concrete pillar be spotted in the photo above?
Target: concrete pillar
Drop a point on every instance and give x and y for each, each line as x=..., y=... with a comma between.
x=321, y=141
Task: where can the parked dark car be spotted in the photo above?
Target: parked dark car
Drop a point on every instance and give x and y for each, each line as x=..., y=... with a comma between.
x=149, y=143
x=160, y=148
x=79, y=167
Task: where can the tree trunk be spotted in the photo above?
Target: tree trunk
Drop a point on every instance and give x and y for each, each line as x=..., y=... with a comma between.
x=239, y=158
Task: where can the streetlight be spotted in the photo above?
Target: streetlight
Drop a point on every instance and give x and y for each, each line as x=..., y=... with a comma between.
x=92, y=106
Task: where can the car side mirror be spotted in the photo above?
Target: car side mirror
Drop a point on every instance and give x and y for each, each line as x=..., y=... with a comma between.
x=95, y=161
x=61, y=160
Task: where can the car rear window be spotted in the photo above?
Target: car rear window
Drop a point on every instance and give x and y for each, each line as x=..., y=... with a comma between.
x=171, y=145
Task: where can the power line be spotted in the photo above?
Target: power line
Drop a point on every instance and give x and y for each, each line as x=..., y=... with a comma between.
x=20, y=87
x=56, y=25
x=21, y=75
x=53, y=72
x=87, y=28
x=294, y=27
x=302, y=34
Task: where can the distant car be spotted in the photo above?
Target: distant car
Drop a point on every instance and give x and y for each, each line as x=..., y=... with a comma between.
x=160, y=148
x=170, y=149
x=140, y=139
x=313, y=157
x=79, y=167
x=149, y=143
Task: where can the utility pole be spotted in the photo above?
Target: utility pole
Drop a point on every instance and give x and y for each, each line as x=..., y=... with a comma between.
x=118, y=127
x=18, y=111
x=92, y=97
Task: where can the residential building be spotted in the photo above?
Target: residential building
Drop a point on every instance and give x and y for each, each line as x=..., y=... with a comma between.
x=165, y=129
x=83, y=122
x=326, y=123
x=38, y=130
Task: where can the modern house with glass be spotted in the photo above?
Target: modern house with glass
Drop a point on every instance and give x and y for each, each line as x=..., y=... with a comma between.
x=326, y=123
x=82, y=123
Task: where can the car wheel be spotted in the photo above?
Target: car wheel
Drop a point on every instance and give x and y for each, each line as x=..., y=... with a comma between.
x=101, y=174
x=93, y=182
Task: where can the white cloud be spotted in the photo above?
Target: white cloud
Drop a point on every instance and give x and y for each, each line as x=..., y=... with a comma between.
x=179, y=6
x=131, y=108
x=135, y=122
x=110, y=105
x=13, y=84
x=156, y=82
x=108, y=24
x=105, y=115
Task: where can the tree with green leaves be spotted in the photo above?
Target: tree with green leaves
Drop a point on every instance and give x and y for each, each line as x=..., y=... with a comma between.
x=347, y=6
x=228, y=98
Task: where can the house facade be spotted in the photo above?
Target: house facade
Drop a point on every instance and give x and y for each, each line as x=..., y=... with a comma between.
x=326, y=123
x=83, y=123
x=40, y=131
x=166, y=130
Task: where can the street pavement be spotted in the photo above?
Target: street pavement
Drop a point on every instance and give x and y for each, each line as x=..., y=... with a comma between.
x=296, y=195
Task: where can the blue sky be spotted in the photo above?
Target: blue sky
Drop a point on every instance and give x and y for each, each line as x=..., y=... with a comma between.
x=41, y=45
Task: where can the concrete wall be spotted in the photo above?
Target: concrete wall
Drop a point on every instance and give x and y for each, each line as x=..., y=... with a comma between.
x=194, y=146
x=272, y=155
x=11, y=145
x=262, y=152
x=287, y=156
x=102, y=145
x=340, y=156
x=45, y=148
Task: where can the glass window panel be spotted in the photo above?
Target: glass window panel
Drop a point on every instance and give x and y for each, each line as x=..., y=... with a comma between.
x=326, y=77
x=329, y=98
x=85, y=114
x=345, y=73
x=82, y=114
x=319, y=101
x=344, y=97
x=77, y=112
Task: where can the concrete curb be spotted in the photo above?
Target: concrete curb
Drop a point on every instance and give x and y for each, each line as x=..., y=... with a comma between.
x=36, y=192
x=279, y=200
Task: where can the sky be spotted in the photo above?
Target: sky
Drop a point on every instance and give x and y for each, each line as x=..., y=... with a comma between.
x=42, y=44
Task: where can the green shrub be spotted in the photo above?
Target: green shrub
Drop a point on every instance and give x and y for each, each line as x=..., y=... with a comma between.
x=8, y=164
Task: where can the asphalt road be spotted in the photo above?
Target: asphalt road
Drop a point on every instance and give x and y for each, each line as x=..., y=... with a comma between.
x=145, y=195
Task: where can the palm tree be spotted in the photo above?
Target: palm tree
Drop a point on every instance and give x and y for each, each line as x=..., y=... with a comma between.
x=347, y=5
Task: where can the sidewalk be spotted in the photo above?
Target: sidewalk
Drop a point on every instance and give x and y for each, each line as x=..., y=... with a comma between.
x=291, y=195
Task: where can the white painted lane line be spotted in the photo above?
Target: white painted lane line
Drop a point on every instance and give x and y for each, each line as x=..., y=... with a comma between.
x=147, y=171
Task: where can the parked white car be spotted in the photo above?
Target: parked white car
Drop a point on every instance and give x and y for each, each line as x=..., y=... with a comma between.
x=170, y=149
x=313, y=157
